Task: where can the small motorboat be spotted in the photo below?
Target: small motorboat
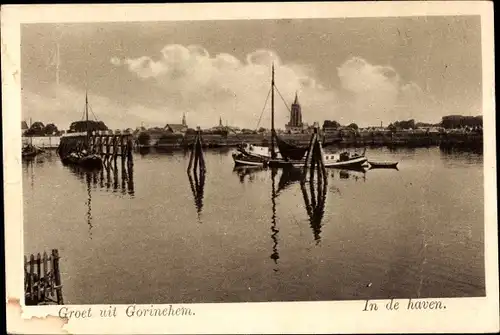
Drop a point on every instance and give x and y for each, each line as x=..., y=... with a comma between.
x=83, y=159
x=30, y=151
x=241, y=159
x=383, y=165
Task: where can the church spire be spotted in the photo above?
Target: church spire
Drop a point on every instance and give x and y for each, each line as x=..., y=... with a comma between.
x=184, y=119
x=296, y=102
x=220, y=121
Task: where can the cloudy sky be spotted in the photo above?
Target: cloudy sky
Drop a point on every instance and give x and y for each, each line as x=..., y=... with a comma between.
x=362, y=70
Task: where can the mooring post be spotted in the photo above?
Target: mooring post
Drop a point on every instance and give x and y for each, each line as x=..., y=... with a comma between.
x=309, y=157
x=196, y=152
x=57, y=276
x=107, y=146
x=191, y=156
x=115, y=148
x=200, y=153
x=322, y=157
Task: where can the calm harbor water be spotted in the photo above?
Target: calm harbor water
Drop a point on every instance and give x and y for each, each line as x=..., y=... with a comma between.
x=155, y=235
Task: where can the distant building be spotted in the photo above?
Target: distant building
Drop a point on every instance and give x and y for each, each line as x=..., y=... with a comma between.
x=176, y=128
x=374, y=128
x=295, y=125
x=220, y=127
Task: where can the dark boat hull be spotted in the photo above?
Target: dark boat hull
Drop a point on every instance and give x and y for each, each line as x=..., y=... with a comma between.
x=87, y=162
x=353, y=163
x=383, y=165
x=247, y=160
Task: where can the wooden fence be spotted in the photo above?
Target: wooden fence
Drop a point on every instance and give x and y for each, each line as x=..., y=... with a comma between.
x=42, y=279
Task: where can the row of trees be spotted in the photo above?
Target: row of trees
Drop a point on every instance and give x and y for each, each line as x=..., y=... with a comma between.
x=335, y=125
x=459, y=121
x=81, y=126
x=447, y=122
x=39, y=129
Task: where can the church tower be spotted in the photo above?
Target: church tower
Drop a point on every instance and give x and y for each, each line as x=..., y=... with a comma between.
x=296, y=113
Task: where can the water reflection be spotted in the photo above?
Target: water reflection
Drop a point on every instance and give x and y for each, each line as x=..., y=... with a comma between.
x=468, y=155
x=274, y=230
x=247, y=172
x=88, y=177
x=144, y=150
x=109, y=178
x=354, y=174
x=197, y=183
x=101, y=179
x=288, y=177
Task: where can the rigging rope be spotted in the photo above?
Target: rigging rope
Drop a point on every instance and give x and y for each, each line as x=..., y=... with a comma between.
x=92, y=111
x=283, y=99
x=263, y=108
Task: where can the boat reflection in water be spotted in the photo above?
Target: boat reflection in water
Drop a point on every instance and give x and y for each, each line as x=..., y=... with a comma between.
x=355, y=174
x=197, y=183
x=109, y=178
x=247, y=172
x=101, y=179
x=314, y=189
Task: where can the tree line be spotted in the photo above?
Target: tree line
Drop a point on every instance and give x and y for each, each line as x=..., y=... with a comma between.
x=447, y=122
x=50, y=129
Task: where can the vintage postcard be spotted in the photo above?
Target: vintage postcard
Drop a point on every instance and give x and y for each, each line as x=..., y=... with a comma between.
x=250, y=168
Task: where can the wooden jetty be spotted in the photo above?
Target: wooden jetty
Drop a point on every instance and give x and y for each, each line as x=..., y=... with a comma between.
x=42, y=279
x=108, y=146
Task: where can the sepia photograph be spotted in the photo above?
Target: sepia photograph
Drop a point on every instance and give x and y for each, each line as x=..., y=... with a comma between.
x=303, y=159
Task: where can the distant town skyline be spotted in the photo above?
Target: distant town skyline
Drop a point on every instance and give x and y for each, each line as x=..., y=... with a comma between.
x=353, y=70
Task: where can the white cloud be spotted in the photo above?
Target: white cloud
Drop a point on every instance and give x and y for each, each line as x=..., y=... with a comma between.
x=375, y=93
x=206, y=87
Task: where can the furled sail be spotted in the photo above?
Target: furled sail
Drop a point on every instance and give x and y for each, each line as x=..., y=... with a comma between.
x=290, y=151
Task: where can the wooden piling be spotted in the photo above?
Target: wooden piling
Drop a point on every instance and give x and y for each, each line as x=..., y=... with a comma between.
x=108, y=153
x=196, y=156
x=57, y=276
x=42, y=279
x=315, y=159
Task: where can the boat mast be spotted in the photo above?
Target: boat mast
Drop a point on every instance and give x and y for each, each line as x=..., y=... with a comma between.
x=86, y=118
x=31, y=135
x=273, y=153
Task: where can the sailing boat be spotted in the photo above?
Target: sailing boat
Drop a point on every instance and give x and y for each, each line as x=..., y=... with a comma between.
x=287, y=154
x=29, y=150
x=83, y=157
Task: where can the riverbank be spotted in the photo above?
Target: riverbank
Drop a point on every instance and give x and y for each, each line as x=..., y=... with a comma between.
x=388, y=139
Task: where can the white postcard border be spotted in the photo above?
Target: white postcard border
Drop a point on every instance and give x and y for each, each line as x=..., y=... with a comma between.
x=461, y=315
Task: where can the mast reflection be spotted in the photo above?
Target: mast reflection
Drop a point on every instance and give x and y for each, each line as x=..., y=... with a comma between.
x=88, y=176
x=197, y=183
x=274, y=230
